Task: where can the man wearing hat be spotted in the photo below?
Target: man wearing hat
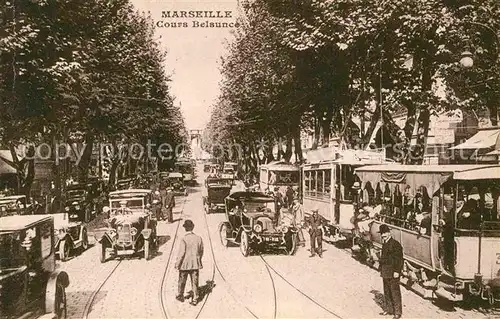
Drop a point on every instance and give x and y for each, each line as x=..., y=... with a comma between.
x=278, y=204
x=189, y=261
x=391, y=265
x=169, y=204
x=315, y=221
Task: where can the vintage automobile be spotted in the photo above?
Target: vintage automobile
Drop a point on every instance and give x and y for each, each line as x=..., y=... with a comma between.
x=250, y=223
x=175, y=180
x=216, y=190
x=30, y=285
x=186, y=168
x=16, y=205
x=78, y=203
x=71, y=235
x=131, y=227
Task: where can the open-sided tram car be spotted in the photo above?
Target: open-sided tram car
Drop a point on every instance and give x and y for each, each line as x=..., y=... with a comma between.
x=216, y=190
x=30, y=285
x=447, y=218
x=250, y=222
x=279, y=174
x=131, y=228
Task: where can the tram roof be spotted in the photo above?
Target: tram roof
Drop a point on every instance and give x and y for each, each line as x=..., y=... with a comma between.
x=429, y=176
x=280, y=166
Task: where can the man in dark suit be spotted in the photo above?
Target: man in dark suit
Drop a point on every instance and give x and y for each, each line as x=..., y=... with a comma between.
x=391, y=265
x=169, y=204
x=189, y=261
x=314, y=223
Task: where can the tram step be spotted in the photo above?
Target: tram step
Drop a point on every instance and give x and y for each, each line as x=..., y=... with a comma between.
x=443, y=293
x=417, y=288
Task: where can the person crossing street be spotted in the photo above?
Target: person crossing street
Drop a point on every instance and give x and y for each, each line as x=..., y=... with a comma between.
x=189, y=262
x=315, y=223
x=169, y=204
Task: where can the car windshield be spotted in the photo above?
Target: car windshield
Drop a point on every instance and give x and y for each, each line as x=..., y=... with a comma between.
x=130, y=203
x=76, y=193
x=8, y=207
x=258, y=206
x=12, y=255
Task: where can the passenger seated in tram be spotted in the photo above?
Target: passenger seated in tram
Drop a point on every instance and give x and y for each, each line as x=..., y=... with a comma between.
x=469, y=217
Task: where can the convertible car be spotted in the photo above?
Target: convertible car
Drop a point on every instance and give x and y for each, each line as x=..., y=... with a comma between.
x=252, y=225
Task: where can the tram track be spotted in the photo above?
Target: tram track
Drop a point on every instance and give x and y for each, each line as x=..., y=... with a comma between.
x=216, y=268
x=92, y=299
x=163, y=303
x=270, y=269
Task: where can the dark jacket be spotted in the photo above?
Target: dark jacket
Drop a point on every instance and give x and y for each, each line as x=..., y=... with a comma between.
x=315, y=223
x=391, y=260
x=289, y=197
x=169, y=200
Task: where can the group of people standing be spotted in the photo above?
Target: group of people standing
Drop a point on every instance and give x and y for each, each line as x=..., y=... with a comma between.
x=163, y=203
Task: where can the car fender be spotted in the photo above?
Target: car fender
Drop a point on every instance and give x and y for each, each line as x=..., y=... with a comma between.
x=146, y=233
x=55, y=278
x=105, y=238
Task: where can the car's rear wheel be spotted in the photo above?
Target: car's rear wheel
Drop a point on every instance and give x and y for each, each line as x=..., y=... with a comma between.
x=291, y=244
x=85, y=239
x=60, y=308
x=244, y=244
x=64, y=250
x=87, y=215
x=102, y=255
x=223, y=230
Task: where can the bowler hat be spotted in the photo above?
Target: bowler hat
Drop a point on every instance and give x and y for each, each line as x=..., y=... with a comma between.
x=188, y=223
x=384, y=229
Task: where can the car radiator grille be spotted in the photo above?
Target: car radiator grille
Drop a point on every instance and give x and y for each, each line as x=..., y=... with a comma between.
x=124, y=236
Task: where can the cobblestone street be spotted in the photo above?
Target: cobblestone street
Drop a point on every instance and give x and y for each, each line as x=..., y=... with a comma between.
x=269, y=286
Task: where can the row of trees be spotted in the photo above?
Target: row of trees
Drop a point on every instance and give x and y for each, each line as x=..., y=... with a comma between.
x=87, y=67
x=314, y=65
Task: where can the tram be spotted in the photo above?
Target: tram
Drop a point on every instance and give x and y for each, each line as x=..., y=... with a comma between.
x=279, y=174
x=327, y=184
x=447, y=218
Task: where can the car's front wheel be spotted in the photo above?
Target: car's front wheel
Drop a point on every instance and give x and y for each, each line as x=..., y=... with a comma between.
x=223, y=231
x=244, y=244
x=85, y=239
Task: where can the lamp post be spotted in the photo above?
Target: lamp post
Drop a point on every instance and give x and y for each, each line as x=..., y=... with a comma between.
x=466, y=60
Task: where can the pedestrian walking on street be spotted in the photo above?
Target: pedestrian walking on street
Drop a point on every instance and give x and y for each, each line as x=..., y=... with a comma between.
x=189, y=262
x=391, y=265
x=157, y=205
x=169, y=205
x=298, y=214
x=315, y=223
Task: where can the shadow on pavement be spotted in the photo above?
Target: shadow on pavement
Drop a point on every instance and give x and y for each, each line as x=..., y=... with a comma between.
x=378, y=297
x=202, y=290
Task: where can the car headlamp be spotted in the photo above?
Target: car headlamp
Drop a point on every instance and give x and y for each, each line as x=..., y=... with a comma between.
x=77, y=207
x=119, y=227
x=257, y=228
x=284, y=229
x=133, y=231
x=66, y=208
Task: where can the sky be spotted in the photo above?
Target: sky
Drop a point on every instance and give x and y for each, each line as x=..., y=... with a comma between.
x=193, y=53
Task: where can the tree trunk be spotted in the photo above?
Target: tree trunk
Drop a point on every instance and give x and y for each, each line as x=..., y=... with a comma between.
x=492, y=105
x=317, y=134
x=289, y=152
x=83, y=165
x=298, y=145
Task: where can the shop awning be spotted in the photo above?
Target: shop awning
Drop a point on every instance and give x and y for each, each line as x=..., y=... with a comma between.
x=482, y=140
x=487, y=172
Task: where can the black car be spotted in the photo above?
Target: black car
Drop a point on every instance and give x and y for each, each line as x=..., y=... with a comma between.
x=79, y=204
x=251, y=224
x=216, y=190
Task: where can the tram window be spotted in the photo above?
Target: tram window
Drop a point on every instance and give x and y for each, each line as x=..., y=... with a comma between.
x=328, y=180
x=346, y=182
x=307, y=182
x=313, y=182
x=319, y=179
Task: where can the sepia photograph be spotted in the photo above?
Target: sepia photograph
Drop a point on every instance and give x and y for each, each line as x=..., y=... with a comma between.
x=268, y=159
